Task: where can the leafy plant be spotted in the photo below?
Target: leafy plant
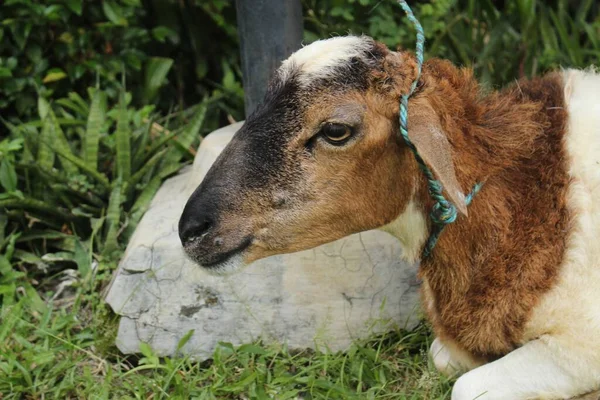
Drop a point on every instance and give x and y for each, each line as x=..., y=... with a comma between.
x=52, y=48
x=79, y=178
x=8, y=176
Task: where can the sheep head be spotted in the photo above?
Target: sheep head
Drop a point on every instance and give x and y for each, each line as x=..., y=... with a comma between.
x=320, y=159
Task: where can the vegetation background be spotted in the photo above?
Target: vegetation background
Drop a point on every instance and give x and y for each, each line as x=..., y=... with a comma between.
x=101, y=100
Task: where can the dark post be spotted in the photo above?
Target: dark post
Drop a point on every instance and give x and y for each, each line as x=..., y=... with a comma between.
x=269, y=31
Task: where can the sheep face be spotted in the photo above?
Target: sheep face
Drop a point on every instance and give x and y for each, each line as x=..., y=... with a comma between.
x=320, y=159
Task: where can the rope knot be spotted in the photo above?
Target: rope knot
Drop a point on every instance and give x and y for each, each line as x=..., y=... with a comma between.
x=443, y=213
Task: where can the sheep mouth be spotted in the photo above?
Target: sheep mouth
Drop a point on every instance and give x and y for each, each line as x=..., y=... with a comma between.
x=220, y=262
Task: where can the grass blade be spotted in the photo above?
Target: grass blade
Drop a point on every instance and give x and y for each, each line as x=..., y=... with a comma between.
x=135, y=178
x=568, y=43
x=145, y=198
x=43, y=107
x=140, y=145
x=92, y=132
x=61, y=121
x=59, y=142
x=192, y=132
x=187, y=137
x=157, y=144
x=123, y=141
x=71, y=105
x=156, y=71
x=83, y=107
x=495, y=41
x=583, y=10
x=459, y=50
x=36, y=205
x=113, y=217
x=548, y=34
x=45, y=155
x=592, y=36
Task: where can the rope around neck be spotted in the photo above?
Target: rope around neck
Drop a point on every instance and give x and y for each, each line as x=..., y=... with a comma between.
x=443, y=212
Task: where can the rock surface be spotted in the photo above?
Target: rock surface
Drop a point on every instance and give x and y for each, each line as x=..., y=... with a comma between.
x=326, y=296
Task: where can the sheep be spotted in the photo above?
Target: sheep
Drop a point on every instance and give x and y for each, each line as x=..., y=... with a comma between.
x=512, y=288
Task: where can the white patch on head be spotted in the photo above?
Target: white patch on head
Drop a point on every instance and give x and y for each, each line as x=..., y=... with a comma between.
x=410, y=228
x=320, y=58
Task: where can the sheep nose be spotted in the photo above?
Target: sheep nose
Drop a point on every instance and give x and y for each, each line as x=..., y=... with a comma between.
x=193, y=228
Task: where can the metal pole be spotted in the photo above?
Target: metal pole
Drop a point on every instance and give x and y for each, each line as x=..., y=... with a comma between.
x=269, y=31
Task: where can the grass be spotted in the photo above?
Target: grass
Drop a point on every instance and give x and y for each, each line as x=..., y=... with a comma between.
x=65, y=349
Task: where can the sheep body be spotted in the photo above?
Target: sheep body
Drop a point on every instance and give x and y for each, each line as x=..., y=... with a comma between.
x=559, y=353
x=511, y=289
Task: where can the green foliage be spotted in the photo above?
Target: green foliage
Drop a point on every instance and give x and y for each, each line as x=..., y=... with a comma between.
x=71, y=172
x=53, y=48
x=500, y=40
x=8, y=176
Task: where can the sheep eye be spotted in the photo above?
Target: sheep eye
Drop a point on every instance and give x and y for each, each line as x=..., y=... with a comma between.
x=336, y=134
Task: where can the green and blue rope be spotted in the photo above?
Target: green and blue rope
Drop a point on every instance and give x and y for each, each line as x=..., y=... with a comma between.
x=443, y=212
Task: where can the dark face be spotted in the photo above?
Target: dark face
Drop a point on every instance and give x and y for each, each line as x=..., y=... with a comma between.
x=319, y=160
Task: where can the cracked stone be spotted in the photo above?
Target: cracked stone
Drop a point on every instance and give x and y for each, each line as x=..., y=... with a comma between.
x=325, y=297
x=188, y=311
x=141, y=258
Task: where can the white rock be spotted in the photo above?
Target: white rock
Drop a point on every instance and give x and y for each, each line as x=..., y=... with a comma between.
x=324, y=297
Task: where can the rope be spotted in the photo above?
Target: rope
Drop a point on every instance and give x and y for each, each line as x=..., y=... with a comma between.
x=439, y=227
x=443, y=212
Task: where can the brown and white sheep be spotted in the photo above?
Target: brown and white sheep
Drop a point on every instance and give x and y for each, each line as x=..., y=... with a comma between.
x=513, y=288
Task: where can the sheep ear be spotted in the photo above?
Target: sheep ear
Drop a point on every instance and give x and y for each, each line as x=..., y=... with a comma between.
x=426, y=133
x=399, y=69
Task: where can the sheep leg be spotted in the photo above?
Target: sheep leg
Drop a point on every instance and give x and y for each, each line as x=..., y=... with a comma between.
x=449, y=360
x=545, y=368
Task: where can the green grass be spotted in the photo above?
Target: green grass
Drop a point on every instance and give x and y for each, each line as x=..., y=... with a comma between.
x=66, y=350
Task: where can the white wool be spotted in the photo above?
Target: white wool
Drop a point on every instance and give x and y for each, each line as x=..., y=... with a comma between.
x=320, y=58
x=410, y=228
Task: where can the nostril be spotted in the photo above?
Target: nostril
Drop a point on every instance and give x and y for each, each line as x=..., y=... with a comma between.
x=205, y=227
x=195, y=229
